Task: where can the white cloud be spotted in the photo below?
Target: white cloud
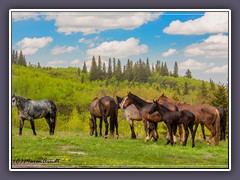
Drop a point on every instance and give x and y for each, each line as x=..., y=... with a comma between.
x=157, y=36
x=76, y=63
x=118, y=49
x=31, y=45
x=63, y=49
x=215, y=46
x=90, y=42
x=21, y=16
x=95, y=22
x=193, y=65
x=218, y=69
x=211, y=22
x=169, y=52
x=57, y=63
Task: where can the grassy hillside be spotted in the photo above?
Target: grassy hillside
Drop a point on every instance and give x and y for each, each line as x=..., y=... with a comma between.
x=73, y=94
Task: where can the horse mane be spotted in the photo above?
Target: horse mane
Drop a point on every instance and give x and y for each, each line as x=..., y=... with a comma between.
x=140, y=101
x=162, y=106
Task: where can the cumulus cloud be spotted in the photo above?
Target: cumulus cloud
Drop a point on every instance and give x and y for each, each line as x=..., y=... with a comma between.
x=211, y=22
x=169, y=52
x=21, y=16
x=218, y=69
x=96, y=22
x=31, y=45
x=193, y=65
x=63, y=49
x=215, y=46
x=118, y=49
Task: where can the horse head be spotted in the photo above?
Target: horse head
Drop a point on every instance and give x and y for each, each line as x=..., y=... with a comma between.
x=126, y=101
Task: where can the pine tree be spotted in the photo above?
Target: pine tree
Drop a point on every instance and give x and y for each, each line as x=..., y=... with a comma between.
x=118, y=71
x=13, y=57
x=104, y=72
x=204, y=90
x=22, y=59
x=84, y=70
x=93, y=70
x=148, y=70
x=109, y=72
x=99, y=69
x=39, y=66
x=16, y=57
x=220, y=97
x=78, y=71
x=114, y=67
x=175, y=70
x=188, y=74
x=186, y=89
x=212, y=85
x=164, y=69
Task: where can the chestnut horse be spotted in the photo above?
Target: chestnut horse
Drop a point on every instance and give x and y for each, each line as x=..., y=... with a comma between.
x=205, y=114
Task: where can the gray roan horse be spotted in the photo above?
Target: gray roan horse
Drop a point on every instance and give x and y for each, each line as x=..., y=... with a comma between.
x=131, y=113
x=30, y=110
x=103, y=108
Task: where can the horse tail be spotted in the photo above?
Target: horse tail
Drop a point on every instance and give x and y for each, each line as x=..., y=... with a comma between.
x=217, y=126
x=113, y=116
x=223, y=124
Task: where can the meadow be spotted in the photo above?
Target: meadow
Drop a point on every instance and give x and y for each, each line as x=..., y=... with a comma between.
x=72, y=144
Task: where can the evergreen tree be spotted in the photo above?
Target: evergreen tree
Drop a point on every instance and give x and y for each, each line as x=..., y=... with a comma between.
x=188, y=74
x=164, y=70
x=220, y=97
x=109, y=72
x=22, y=59
x=148, y=70
x=16, y=57
x=84, y=70
x=212, y=85
x=175, y=70
x=82, y=79
x=114, y=67
x=118, y=71
x=104, y=72
x=93, y=70
x=99, y=69
x=78, y=71
x=13, y=57
x=204, y=90
x=186, y=89
x=39, y=66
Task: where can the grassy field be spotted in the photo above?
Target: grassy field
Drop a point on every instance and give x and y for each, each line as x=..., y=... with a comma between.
x=75, y=150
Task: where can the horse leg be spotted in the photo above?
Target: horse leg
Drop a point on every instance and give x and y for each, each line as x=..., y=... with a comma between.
x=116, y=125
x=100, y=126
x=33, y=127
x=174, y=131
x=147, y=129
x=169, y=140
x=180, y=133
x=155, y=137
x=203, y=131
x=190, y=126
x=186, y=134
x=131, y=124
x=106, y=127
x=53, y=124
x=213, y=132
x=49, y=123
x=21, y=123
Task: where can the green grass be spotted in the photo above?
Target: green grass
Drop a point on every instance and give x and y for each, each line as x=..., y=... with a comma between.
x=76, y=150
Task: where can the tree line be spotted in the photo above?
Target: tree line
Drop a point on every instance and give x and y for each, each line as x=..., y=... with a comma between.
x=137, y=72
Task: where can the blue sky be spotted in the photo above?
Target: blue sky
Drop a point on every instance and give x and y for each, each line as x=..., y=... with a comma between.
x=196, y=40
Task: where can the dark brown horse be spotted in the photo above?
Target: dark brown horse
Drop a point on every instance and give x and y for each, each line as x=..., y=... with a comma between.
x=174, y=118
x=103, y=108
x=205, y=114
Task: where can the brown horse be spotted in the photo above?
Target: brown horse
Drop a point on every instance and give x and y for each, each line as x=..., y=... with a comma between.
x=144, y=107
x=205, y=114
x=103, y=108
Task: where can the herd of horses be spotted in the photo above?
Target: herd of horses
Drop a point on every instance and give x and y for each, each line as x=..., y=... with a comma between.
x=173, y=113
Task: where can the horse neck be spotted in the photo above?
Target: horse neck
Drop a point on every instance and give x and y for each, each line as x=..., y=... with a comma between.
x=138, y=102
x=162, y=110
x=21, y=102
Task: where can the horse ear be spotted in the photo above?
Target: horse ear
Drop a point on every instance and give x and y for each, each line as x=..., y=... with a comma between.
x=162, y=94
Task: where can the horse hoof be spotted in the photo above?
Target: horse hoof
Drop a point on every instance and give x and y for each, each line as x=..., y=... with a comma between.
x=105, y=137
x=208, y=143
x=19, y=134
x=117, y=136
